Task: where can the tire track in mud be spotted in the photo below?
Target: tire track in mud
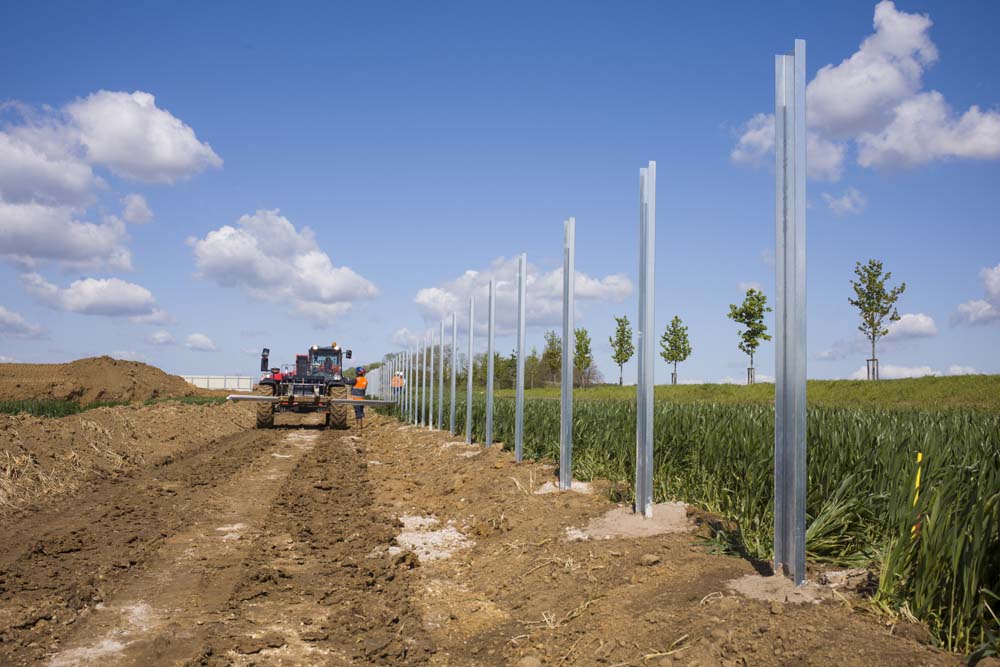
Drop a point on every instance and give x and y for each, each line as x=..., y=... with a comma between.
x=320, y=586
x=69, y=567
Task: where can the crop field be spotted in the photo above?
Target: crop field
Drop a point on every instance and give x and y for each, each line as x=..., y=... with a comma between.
x=936, y=553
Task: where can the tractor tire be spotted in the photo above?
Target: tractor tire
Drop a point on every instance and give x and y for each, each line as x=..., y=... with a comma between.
x=265, y=411
x=336, y=416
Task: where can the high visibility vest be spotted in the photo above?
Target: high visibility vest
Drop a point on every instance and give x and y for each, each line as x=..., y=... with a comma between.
x=358, y=390
x=397, y=382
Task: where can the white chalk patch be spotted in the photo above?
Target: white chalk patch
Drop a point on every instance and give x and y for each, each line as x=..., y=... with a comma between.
x=281, y=456
x=576, y=487
x=469, y=455
x=232, y=531
x=95, y=654
x=623, y=522
x=428, y=544
x=374, y=463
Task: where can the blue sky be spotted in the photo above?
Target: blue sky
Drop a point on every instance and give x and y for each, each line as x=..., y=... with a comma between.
x=420, y=142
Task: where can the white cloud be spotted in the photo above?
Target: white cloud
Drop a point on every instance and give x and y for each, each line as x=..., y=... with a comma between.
x=890, y=372
x=155, y=316
x=160, y=338
x=14, y=324
x=749, y=285
x=47, y=178
x=543, y=306
x=90, y=296
x=130, y=135
x=130, y=355
x=405, y=338
x=840, y=349
x=955, y=369
x=756, y=146
x=925, y=128
x=28, y=174
x=874, y=98
x=7, y=360
x=979, y=311
x=912, y=325
x=136, y=210
x=200, y=342
x=270, y=260
x=850, y=203
x=31, y=233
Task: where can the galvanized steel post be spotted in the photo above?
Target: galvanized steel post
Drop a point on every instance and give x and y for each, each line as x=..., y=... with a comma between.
x=489, y=363
x=790, y=314
x=440, y=419
x=430, y=412
x=423, y=383
x=646, y=357
x=566, y=394
x=522, y=280
x=468, y=372
x=454, y=368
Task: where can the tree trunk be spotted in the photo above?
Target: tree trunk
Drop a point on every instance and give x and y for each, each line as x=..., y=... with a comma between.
x=620, y=374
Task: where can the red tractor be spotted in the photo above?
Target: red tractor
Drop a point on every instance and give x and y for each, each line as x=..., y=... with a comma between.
x=316, y=384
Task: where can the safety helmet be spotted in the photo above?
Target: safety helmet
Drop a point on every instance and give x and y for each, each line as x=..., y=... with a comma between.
x=360, y=370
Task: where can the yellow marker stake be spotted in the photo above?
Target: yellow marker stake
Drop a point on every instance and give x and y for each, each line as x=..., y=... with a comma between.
x=916, y=494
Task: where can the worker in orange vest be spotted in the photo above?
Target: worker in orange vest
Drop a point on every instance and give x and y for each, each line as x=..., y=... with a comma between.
x=359, y=387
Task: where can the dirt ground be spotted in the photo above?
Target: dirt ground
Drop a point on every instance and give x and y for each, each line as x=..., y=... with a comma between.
x=89, y=381
x=217, y=544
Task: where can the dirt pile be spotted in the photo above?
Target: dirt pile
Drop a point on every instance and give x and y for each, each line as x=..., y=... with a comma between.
x=89, y=381
x=42, y=457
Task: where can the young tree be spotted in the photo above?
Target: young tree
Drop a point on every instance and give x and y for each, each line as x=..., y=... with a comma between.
x=874, y=301
x=583, y=358
x=532, y=366
x=751, y=315
x=552, y=354
x=674, y=344
x=622, y=348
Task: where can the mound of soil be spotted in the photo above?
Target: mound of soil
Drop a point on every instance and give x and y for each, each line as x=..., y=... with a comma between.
x=89, y=381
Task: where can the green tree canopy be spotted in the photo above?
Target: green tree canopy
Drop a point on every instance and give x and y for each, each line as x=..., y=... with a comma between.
x=583, y=357
x=674, y=344
x=552, y=354
x=751, y=315
x=874, y=302
x=622, y=347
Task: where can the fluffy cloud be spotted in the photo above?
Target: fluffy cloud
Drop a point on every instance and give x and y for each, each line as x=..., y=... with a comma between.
x=982, y=311
x=849, y=203
x=134, y=138
x=155, y=316
x=90, y=296
x=31, y=233
x=160, y=338
x=135, y=209
x=955, y=369
x=874, y=98
x=199, y=342
x=14, y=324
x=543, y=306
x=47, y=178
x=266, y=257
x=912, y=325
x=890, y=372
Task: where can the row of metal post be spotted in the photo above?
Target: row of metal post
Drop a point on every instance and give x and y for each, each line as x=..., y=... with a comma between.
x=416, y=399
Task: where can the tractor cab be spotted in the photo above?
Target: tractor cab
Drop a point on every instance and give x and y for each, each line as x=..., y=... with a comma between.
x=327, y=362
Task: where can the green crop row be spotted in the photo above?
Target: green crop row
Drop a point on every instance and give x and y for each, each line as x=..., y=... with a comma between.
x=937, y=553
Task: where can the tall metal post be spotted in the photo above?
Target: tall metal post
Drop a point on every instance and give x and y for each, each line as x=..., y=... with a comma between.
x=790, y=314
x=423, y=385
x=410, y=382
x=522, y=281
x=647, y=360
x=440, y=419
x=469, y=364
x=416, y=384
x=430, y=412
x=454, y=369
x=566, y=393
x=489, y=363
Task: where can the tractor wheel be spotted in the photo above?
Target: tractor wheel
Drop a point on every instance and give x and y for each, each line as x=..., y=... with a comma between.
x=265, y=411
x=336, y=416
